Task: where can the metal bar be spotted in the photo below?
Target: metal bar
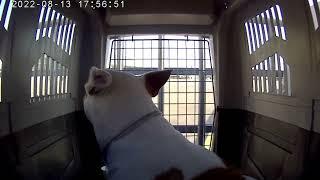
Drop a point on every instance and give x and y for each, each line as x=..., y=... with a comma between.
x=261, y=72
x=186, y=90
x=142, y=55
x=124, y=53
x=201, y=98
x=253, y=81
x=254, y=73
x=274, y=75
x=110, y=58
x=169, y=65
x=134, y=53
x=257, y=79
x=66, y=83
x=270, y=75
x=175, y=71
x=192, y=128
x=278, y=74
x=118, y=55
x=49, y=77
x=285, y=78
x=54, y=78
x=195, y=140
x=160, y=67
x=163, y=39
x=266, y=72
x=34, y=80
x=177, y=85
x=289, y=80
x=63, y=80
x=214, y=99
x=162, y=47
x=60, y=78
x=45, y=75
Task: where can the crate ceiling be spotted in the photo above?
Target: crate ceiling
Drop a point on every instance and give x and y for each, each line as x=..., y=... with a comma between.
x=160, y=12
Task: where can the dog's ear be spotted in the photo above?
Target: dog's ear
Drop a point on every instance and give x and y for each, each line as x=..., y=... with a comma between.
x=155, y=80
x=98, y=81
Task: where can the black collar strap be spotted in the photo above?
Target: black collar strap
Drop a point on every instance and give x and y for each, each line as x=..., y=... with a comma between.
x=130, y=128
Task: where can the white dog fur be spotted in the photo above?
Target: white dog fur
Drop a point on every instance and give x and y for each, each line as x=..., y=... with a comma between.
x=114, y=100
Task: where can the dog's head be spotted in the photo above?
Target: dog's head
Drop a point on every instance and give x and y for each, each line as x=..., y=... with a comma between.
x=107, y=89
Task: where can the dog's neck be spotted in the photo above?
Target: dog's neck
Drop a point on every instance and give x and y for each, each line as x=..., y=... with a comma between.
x=110, y=119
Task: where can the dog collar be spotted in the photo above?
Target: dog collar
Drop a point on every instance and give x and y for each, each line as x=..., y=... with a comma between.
x=130, y=128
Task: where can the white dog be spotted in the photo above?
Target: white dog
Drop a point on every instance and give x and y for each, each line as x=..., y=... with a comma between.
x=137, y=142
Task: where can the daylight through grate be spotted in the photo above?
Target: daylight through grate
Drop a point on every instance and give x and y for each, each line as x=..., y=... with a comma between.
x=187, y=99
x=56, y=26
x=271, y=76
x=5, y=13
x=49, y=80
x=264, y=26
x=315, y=12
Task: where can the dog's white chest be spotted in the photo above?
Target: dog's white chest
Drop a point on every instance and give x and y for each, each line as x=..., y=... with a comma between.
x=155, y=148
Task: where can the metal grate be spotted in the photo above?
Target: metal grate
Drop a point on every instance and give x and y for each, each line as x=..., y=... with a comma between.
x=187, y=99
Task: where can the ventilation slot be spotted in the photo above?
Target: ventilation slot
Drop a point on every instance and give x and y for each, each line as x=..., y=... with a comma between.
x=261, y=28
x=248, y=38
x=60, y=29
x=49, y=80
x=51, y=24
x=44, y=32
x=57, y=27
x=71, y=40
x=315, y=12
x=271, y=76
x=5, y=13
